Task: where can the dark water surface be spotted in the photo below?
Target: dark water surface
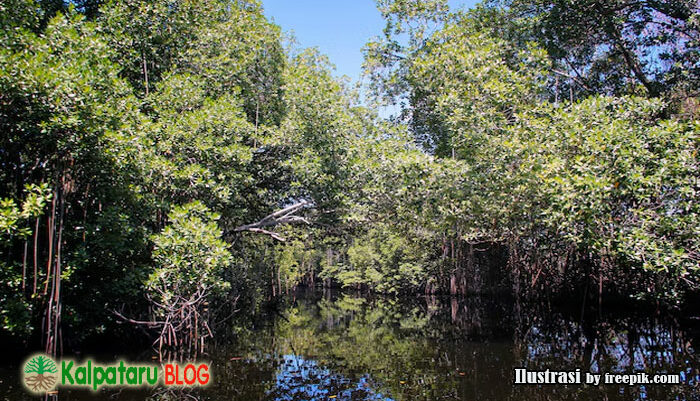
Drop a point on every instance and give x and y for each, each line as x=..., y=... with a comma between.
x=336, y=346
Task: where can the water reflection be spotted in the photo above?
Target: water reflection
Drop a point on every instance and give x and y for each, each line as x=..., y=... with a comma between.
x=346, y=347
x=448, y=348
x=302, y=379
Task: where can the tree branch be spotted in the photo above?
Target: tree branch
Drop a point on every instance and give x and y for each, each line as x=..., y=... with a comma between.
x=283, y=216
x=138, y=322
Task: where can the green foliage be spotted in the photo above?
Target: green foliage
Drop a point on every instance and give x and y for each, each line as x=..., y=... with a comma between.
x=482, y=83
x=622, y=182
x=116, y=115
x=62, y=108
x=189, y=256
x=385, y=261
x=16, y=16
x=12, y=215
x=617, y=47
x=148, y=36
x=15, y=310
x=240, y=54
x=610, y=176
x=198, y=154
x=319, y=130
x=295, y=260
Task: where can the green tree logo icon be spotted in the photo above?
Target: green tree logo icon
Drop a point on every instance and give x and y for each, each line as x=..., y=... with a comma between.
x=40, y=374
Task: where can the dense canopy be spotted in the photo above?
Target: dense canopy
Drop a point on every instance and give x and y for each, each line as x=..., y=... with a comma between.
x=141, y=141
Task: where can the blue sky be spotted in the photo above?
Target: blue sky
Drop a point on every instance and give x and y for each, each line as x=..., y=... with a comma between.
x=339, y=28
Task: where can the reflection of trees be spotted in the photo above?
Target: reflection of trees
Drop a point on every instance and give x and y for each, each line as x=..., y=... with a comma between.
x=431, y=348
x=384, y=340
x=615, y=344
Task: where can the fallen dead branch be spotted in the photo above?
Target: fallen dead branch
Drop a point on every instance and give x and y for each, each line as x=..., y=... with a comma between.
x=283, y=216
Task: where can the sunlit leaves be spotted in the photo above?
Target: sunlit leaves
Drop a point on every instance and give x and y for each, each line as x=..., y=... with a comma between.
x=189, y=254
x=13, y=215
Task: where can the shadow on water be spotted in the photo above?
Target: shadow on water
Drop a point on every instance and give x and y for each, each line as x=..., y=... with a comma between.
x=340, y=346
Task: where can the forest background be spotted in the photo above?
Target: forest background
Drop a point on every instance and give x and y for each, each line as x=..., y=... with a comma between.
x=165, y=161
